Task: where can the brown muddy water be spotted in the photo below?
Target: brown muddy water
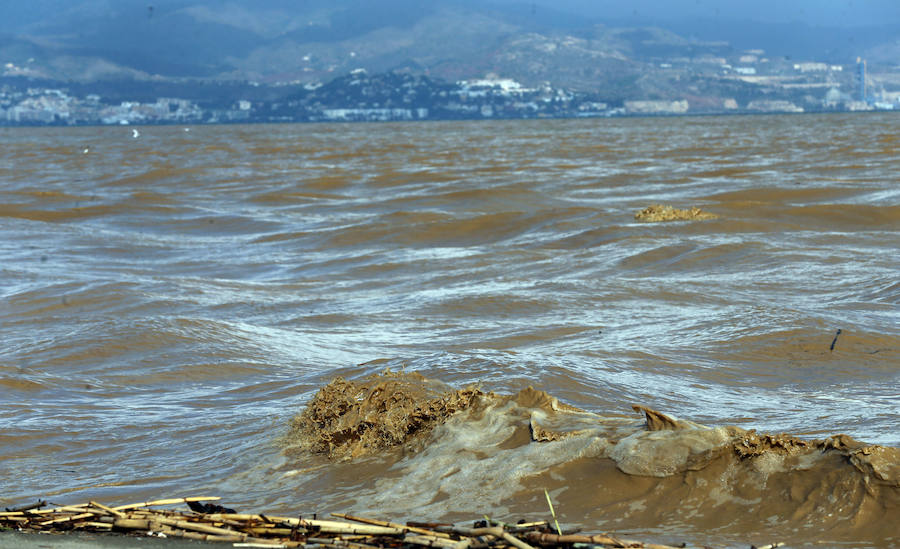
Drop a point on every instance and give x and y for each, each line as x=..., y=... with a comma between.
x=171, y=302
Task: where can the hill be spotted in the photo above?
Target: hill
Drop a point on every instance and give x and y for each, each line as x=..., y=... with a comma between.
x=278, y=41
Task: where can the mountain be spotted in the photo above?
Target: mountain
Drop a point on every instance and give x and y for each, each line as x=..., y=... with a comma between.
x=300, y=41
x=314, y=40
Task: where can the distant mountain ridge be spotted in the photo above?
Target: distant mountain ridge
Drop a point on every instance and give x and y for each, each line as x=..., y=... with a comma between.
x=274, y=41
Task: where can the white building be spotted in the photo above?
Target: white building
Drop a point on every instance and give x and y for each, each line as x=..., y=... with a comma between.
x=656, y=107
x=811, y=67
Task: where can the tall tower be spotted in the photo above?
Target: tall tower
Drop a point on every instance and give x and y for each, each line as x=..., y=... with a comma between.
x=861, y=76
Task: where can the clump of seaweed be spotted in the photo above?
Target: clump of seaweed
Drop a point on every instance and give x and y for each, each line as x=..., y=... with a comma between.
x=658, y=212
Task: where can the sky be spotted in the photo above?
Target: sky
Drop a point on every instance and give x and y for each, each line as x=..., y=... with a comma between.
x=826, y=13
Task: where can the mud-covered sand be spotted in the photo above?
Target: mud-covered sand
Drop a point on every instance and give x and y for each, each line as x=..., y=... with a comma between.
x=658, y=213
x=658, y=473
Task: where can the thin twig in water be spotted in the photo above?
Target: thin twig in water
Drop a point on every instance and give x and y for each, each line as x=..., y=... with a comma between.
x=833, y=341
x=553, y=512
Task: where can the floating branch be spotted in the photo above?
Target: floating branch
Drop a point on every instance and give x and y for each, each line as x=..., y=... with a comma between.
x=28, y=507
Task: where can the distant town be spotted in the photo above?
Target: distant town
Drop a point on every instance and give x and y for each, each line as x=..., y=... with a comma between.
x=748, y=82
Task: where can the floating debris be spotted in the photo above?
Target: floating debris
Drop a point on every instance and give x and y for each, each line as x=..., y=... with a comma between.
x=658, y=212
x=833, y=341
x=262, y=530
x=354, y=418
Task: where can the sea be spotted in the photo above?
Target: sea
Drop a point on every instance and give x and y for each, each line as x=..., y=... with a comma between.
x=171, y=302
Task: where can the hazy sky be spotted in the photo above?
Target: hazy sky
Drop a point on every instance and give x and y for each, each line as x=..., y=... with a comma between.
x=828, y=13
x=836, y=13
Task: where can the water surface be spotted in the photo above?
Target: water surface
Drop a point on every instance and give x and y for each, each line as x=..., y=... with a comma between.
x=170, y=302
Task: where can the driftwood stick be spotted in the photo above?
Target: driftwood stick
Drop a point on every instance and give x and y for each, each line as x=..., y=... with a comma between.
x=290, y=521
x=334, y=527
x=375, y=522
x=227, y=537
x=524, y=525
x=428, y=525
x=340, y=543
x=203, y=537
x=429, y=541
x=268, y=531
x=70, y=518
x=112, y=512
x=200, y=527
x=27, y=507
x=596, y=539
x=466, y=543
x=239, y=516
x=496, y=531
x=15, y=519
x=226, y=522
x=248, y=542
x=152, y=513
x=513, y=540
x=172, y=501
x=54, y=510
x=132, y=524
x=93, y=524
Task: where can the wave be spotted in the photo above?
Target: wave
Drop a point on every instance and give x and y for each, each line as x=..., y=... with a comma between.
x=454, y=451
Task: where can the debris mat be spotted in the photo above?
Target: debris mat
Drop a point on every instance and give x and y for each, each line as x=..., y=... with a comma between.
x=214, y=523
x=657, y=213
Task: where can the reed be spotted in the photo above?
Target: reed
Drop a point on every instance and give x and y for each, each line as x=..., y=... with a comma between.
x=375, y=522
x=267, y=531
x=102, y=507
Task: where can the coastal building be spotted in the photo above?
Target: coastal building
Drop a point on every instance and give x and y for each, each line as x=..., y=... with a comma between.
x=656, y=107
x=773, y=105
x=834, y=97
x=490, y=86
x=810, y=67
x=372, y=115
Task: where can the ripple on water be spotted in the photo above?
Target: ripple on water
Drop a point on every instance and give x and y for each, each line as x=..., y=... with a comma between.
x=168, y=304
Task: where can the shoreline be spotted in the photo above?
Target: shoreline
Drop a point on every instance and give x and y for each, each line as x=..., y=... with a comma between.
x=318, y=121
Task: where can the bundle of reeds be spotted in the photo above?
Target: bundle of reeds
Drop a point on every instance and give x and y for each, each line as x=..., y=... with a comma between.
x=210, y=522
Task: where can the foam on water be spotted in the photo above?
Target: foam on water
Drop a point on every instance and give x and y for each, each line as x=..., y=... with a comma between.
x=497, y=452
